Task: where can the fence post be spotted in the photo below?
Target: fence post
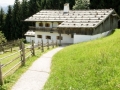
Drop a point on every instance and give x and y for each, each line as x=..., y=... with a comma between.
x=42, y=46
x=38, y=45
x=11, y=48
x=33, y=48
x=47, y=44
x=22, y=48
x=56, y=43
x=23, y=54
x=2, y=48
x=1, y=79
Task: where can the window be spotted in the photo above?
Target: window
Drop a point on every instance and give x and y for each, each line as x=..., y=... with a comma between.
x=39, y=36
x=41, y=24
x=59, y=23
x=48, y=37
x=47, y=25
x=58, y=37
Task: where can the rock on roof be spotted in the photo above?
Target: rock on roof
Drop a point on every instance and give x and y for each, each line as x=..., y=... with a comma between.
x=73, y=19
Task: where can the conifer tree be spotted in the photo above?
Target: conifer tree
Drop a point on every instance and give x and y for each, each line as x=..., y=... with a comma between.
x=16, y=20
x=8, y=31
x=23, y=15
x=56, y=4
x=34, y=6
x=2, y=14
x=105, y=4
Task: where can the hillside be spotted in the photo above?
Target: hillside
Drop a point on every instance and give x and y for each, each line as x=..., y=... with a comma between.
x=93, y=65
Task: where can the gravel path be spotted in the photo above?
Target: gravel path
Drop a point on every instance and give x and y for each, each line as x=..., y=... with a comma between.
x=36, y=76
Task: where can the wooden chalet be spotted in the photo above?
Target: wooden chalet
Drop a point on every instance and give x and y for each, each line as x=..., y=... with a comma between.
x=79, y=25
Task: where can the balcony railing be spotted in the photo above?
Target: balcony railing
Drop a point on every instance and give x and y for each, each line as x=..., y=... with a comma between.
x=44, y=29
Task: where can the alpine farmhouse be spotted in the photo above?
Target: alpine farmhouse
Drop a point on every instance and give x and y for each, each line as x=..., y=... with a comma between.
x=72, y=26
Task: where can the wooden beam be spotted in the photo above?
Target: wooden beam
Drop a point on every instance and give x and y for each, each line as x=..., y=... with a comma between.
x=1, y=78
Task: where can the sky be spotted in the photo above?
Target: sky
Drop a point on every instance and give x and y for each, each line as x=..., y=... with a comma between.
x=4, y=3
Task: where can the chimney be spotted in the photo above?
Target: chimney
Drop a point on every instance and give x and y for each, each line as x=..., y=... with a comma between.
x=66, y=7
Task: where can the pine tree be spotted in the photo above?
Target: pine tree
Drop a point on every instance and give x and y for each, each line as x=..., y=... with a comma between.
x=94, y=4
x=24, y=9
x=8, y=31
x=34, y=6
x=56, y=4
x=105, y=4
x=71, y=2
x=16, y=20
x=24, y=15
x=2, y=14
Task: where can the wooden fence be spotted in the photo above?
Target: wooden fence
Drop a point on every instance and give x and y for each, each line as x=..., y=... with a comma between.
x=19, y=58
x=8, y=46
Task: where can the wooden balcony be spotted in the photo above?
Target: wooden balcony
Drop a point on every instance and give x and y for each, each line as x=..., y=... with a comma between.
x=43, y=29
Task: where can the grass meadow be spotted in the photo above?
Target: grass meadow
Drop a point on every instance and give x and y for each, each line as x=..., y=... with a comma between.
x=93, y=65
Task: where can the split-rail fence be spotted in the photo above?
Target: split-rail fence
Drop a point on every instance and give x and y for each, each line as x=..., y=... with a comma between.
x=19, y=58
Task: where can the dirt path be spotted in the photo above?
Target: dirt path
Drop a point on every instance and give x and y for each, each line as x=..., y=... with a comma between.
x=36, y=76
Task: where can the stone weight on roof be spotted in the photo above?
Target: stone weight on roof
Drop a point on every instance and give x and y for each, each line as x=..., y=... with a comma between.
x=75, y=18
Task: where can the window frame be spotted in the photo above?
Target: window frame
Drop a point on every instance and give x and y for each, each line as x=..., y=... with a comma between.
x=58, y=38
x=41, y=24
x=47, y=24
x=48, y=37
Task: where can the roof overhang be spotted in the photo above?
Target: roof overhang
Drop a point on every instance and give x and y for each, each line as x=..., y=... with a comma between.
x=73, y=19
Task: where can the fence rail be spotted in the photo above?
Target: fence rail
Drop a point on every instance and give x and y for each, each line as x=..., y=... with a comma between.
x=20, y=56
x=9, y=45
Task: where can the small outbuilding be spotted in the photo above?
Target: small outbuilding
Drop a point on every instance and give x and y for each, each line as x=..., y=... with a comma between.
x=30, y=35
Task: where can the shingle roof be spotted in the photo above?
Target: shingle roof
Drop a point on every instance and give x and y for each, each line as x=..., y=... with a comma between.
x=30, y=33
x=76, y=18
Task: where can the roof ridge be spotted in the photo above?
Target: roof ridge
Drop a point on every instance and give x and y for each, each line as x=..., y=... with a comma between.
x=76, y=10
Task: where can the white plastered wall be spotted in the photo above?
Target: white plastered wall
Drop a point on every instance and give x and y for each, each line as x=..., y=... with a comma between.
x=29, y=39
x=66, y=38
x=83, y=38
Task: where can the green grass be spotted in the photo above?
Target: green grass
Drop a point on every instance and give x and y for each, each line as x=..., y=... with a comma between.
x=14, y=49
x=8, y=59
x=11, y=79
x=93, y=65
